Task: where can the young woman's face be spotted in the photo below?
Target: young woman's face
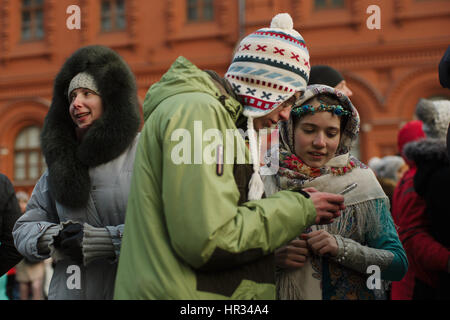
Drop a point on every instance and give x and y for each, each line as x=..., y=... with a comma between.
x=317, y=138
x=85, y=107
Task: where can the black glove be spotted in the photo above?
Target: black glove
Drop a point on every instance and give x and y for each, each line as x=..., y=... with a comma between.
x=69, y=242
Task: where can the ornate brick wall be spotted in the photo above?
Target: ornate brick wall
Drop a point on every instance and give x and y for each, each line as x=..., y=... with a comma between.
x=388, y=69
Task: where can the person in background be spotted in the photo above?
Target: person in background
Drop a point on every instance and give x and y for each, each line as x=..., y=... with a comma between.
x=29, y=274
x=407, y=205
x=426, y=238
x=9, y=213
x=326, y=75
x=389, y=171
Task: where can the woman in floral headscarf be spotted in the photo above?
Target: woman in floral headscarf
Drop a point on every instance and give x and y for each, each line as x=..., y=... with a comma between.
x=331, y=262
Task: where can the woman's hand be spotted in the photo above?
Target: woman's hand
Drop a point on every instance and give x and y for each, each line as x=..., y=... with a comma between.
x=321, y=243
x=328, y=205
x=293, y=255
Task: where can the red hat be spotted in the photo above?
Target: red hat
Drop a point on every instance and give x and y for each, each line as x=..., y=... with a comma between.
x=411, y=131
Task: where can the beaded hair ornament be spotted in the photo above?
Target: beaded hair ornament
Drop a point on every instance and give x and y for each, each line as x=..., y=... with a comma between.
x=307, y=108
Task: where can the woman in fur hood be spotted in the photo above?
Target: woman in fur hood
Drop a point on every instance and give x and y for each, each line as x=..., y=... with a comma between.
x=77, y=210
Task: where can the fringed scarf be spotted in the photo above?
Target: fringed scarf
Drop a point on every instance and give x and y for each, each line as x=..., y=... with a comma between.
x=358, y=221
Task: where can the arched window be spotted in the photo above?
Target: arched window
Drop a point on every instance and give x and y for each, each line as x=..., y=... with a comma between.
x=29, y=163
x=200, y=10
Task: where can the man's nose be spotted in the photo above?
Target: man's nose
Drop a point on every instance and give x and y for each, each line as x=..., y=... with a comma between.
x=285, y=113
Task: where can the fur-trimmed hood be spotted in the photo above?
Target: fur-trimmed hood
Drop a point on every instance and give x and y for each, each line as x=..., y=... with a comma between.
x=432, y=152
x=430, y=157
x=67, y=159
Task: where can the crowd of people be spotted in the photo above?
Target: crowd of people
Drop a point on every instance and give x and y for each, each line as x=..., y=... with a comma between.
x=125, y=212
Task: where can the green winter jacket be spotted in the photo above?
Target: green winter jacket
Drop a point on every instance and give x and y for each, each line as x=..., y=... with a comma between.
x=185, y=235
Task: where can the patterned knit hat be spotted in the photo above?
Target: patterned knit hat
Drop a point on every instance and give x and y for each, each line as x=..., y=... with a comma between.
x=269, y=66
x=435, y=115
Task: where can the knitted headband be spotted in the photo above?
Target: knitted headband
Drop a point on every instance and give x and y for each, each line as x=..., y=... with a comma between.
x=307, y=108
x=83, y=80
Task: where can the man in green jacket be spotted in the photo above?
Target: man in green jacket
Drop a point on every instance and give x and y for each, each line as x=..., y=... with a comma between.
x=196, y=226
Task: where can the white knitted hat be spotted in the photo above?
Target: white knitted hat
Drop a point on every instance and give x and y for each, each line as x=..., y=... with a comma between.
x=435, y=115
x=269, y=66
x=82, y=80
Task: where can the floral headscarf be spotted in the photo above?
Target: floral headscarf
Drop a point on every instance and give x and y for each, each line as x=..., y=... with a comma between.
x=293, y=172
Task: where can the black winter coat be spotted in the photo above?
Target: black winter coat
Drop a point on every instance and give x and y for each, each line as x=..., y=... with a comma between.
x=9, y=213
x=432, y=182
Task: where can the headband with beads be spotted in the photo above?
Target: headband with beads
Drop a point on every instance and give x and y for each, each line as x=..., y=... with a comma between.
x=307, y=108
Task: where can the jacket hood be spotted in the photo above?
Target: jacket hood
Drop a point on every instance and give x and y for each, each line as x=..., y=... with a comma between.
x=432, y=152
x=109, y=136
x=182, y=77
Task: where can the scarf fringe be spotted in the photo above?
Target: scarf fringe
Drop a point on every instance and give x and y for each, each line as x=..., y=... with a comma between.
x=288, y=285
x=358, y=222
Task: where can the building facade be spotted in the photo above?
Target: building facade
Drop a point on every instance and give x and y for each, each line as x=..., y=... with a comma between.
x=388, y=54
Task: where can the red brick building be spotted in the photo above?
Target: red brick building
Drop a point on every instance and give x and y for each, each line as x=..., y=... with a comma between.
x=388, y=69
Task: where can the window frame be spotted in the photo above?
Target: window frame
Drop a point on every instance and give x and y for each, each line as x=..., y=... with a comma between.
x=114, y=14
x=33, y=26
x=28, y=151
x=200, y=11
x=329, y=5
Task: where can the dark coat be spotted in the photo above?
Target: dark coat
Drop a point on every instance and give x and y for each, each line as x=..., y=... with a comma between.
x=432, y=182
x=9, y=213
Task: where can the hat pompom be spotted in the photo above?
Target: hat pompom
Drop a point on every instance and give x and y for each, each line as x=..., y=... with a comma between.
x=282, y=21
